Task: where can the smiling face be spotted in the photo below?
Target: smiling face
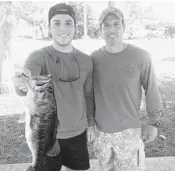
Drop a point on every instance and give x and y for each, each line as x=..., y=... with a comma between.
x=112, y=29
x=62, y=29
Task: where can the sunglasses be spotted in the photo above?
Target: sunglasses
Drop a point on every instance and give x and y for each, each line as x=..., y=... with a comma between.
x=67, y=77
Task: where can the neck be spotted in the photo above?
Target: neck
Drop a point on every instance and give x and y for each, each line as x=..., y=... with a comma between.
x=64, y=49
x=115, y=48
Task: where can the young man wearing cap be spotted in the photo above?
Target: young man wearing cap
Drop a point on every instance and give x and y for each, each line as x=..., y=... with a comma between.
x=71, y=71
x=120, y=71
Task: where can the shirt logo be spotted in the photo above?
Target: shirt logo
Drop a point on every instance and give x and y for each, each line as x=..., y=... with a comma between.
x=129, y=71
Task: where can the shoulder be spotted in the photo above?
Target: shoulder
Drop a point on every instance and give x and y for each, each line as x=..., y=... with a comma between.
x=139, y=52
x=84, y=58
x=140, y=55
x=37, y=56
x=95, y=54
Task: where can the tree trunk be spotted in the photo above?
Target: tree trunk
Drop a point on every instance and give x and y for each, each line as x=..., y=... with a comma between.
x=5, y=33
x=111, y=4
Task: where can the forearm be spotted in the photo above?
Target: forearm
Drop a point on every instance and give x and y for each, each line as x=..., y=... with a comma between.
x=154, y=119
x=154, y=105
x=90, y=111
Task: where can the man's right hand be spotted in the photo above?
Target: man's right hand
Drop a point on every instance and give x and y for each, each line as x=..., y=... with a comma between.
x=19, y=81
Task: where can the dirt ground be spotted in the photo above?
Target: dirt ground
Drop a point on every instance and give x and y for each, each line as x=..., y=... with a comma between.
x=12, y=133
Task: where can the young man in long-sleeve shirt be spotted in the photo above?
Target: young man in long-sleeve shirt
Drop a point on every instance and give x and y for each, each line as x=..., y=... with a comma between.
x=120, y=71
x=71, y=72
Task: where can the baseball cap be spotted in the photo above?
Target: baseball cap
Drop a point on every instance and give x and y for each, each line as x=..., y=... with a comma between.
x=111, y=10
x=61, y=8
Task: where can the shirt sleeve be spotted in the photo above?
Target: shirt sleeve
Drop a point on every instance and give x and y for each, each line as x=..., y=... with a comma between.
x=154, y=105
x=89, y=96
x=34, y=63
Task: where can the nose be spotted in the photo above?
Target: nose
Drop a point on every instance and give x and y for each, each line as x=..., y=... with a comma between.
x=62, y=27
x=112, y=29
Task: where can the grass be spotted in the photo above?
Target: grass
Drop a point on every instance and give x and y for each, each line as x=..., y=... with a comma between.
x=12, y=133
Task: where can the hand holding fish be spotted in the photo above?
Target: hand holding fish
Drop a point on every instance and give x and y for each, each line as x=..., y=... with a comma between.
x=18, y=80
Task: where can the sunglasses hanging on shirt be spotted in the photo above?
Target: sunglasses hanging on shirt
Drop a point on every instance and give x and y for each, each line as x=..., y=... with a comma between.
x=69, y=73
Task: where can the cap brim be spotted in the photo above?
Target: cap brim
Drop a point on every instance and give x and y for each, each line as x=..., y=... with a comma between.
x=102, y=19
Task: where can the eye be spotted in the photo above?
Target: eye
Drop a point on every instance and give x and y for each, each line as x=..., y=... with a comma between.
x=106, y=25
x=69, y=23
x=56, y=24
x=116, y=24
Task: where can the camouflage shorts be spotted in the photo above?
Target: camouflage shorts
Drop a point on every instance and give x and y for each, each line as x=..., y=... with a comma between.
x=123, y=151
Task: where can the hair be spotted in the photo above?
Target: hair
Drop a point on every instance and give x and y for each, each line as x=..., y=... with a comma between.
x=61, y=8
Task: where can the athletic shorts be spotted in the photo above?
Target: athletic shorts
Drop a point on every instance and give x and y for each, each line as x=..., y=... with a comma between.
x=122, y=151
x=74, y=154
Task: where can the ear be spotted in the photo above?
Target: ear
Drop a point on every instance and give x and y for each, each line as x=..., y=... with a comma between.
x=101, y=31
x=124, y=27
x=75, y=29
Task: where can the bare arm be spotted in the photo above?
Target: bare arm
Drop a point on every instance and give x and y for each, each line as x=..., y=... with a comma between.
x=89, y=96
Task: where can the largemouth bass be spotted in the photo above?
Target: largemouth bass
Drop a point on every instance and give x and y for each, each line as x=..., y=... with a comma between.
x=41, y=120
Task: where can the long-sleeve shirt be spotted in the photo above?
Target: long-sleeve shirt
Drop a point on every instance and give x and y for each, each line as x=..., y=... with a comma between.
x=74, y=100
x=118, y=81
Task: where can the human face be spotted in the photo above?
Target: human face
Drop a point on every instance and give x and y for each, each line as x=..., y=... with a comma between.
x=112, y=30
x=62, y=29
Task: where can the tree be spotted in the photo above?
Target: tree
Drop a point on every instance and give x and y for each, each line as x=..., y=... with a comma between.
x=93, y=30
x=32, y=13
x=78, y=7
x=138, y=11
x=93, y=25
x=111, y=3
x=5, y=33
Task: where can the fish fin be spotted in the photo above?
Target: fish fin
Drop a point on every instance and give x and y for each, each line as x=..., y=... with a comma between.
x=22, y=118
x=24, y=150
x=55, y=150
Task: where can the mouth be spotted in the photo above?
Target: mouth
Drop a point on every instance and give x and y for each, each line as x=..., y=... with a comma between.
x=112, y=36
x=64, y=35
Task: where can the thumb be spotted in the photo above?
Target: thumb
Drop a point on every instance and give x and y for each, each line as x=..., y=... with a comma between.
x=18, y=70
x=145, y=136
x=89, y=137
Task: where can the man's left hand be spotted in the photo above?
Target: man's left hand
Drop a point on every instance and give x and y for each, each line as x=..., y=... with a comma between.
x=149, y=133
x=90, y=134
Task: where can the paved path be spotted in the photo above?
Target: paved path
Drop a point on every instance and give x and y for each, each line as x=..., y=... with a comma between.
x=152, y=164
